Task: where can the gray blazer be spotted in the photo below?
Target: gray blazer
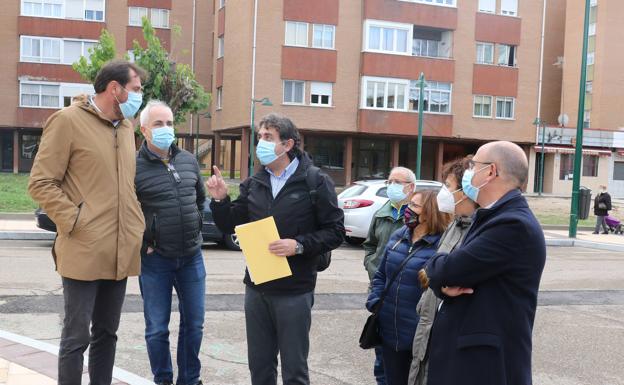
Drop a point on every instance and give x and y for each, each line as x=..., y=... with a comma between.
x=429, y=304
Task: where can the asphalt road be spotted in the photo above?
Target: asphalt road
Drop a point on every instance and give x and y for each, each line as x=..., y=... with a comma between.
x=578, y=335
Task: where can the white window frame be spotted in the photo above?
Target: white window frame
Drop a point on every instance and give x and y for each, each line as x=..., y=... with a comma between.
x=92, y=20
x=62, y=87
x=221, y=4
x=160, y=12
x=219, y=98
x=42, y=2
x=330, y=94
x=324, y=28
x=512, y=12
x=29, y=59
x=485, y=9
x=397, y=82
x=296, y=23
x=474, y=102
x=506, y=99
x=303, y=97
x=592, y=30
x=427, y=91
x=437, y=3
x=507, y=48
x=427, y=42
x=479, y=59
x=220, y=46
x=139, y=10
x=408, y=28
x=591, y=58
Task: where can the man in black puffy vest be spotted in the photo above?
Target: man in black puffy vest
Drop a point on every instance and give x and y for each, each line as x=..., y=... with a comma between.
x=171, y=191
x=278, y=313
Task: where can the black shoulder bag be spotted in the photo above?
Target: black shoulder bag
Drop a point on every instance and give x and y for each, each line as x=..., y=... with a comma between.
x=370, y=337
x=312, y=176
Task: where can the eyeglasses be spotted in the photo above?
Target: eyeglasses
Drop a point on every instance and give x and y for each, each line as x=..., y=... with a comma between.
x=473, y=163
x=390, y=181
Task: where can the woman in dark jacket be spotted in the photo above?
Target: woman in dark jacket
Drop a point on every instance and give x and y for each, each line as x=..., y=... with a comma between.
x=418, y=241
x=602, y=205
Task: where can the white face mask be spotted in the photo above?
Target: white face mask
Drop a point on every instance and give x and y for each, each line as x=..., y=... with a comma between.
x=446, y=201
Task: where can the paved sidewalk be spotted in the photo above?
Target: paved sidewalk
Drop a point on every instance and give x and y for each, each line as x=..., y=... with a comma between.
x=24, y=361
x=613, y=242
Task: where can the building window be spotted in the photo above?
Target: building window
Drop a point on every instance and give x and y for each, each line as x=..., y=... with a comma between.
x=29, y=145
x=446, y=3
x=74, y=49
x=509, y=7
x=321, y=94
x=506, y=55
x=219, y=98
x=221, y=4
x=590, y=58
x=589, y=86
x=590, y=165
x=39, y=95
x=40, y=50
x=160, y=18
x=384, y=93
x=327, y=153
x=94, y=10
x=323, y=36
x=592, y=30
x=437, y=97
x=296, y=34
x=42, y=8
x=566, y=167
x=136, y=15
x=387, y=37
x=220, y=46
x=482, y=106
x=505, y=108
x=618, y=170
x=485, y=53
x=294, y=92
x=587, y=119
x=488, y=6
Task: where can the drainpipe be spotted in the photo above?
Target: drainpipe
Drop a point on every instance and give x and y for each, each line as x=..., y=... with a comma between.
x=541, y=71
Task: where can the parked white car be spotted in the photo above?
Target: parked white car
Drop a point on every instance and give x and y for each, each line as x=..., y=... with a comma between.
x=362, y=199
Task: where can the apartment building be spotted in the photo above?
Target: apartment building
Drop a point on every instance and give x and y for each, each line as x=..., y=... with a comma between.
x=346, y=72
x=42, y=38
x=603, y=142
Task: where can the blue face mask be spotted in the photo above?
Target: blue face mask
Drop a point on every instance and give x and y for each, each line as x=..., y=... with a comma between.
x=471, y=191
x=395, y=193
x=132, y=105
x=265, y=151
x=162, y=137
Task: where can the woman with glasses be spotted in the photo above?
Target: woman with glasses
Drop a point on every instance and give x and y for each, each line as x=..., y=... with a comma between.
x=396, y=280
x=452, y=200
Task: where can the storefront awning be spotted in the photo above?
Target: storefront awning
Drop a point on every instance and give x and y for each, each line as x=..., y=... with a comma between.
x=571, y=150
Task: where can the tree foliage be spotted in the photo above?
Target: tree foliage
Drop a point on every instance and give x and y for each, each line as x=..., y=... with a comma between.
x=173, y=83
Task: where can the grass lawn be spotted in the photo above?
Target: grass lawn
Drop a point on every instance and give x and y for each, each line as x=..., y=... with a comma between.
x=14, y=195
x=554, y=219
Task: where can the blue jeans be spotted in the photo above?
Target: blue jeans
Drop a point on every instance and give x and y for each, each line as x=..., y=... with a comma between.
x=159, y=275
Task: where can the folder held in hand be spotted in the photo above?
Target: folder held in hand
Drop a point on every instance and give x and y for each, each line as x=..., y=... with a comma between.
x=254, y=239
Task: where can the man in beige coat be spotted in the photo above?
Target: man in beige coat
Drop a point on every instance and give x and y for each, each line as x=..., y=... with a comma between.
x=83, y=177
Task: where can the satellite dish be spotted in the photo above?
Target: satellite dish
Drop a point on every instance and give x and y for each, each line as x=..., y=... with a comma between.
x=563, y=120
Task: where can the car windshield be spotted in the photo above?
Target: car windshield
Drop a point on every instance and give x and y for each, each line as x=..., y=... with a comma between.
x=382, y=192
x=352, y=191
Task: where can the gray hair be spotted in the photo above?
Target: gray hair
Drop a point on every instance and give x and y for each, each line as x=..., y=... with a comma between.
x=148, y=107
x=286, y=130
x=411, y=177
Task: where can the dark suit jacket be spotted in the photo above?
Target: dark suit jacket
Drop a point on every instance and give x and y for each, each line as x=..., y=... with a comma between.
x=484, y=338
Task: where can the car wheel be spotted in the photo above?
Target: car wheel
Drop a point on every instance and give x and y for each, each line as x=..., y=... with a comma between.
x=231, y=242
x=354, y=241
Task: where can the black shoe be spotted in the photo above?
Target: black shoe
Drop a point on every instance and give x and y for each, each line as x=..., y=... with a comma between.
x=605, y=232
x=595, y=232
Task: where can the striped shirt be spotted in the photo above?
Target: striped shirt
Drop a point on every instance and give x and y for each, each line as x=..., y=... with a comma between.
x=278, y=182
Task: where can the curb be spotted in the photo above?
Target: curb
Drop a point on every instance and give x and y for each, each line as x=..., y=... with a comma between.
x=118, y=374
x=567, y=242
x=27, y=236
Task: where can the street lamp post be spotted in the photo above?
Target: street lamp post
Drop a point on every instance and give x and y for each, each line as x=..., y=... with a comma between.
x=578, y=154
x=540, y=184
x=265, y=102
x=421, y=85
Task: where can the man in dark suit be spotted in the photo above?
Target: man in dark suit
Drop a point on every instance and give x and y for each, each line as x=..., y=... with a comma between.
x=482, y=332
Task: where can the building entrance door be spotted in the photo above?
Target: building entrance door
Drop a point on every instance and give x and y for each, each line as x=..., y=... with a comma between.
x=6, y=151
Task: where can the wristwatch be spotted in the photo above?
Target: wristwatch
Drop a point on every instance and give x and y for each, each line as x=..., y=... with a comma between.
x=299, y=249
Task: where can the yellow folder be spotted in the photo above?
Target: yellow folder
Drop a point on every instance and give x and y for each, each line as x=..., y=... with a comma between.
x=254, y=239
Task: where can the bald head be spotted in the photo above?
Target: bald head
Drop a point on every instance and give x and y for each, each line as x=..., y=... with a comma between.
x=510, y=160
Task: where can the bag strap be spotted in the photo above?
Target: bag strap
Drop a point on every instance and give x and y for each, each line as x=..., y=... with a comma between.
x=382, y=297
x=312, y=175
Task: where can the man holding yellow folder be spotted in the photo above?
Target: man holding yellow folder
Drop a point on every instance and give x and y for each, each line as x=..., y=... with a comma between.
x=278, y=313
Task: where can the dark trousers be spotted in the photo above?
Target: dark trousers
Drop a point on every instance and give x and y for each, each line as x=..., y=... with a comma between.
x=159, y=276
x=396, y=365
x=278, y=324
x=90, y=302
x=378, y=369
x=600, y=221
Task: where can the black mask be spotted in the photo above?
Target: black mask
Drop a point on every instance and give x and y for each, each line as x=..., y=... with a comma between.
x=410, y=218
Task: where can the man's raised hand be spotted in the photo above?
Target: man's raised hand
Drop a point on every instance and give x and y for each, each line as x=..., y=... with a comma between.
x=215, y=185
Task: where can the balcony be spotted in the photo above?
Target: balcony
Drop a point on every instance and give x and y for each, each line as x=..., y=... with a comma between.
x=432, y=42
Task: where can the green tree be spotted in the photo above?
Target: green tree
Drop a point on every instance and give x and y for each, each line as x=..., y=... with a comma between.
x=171, y=82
